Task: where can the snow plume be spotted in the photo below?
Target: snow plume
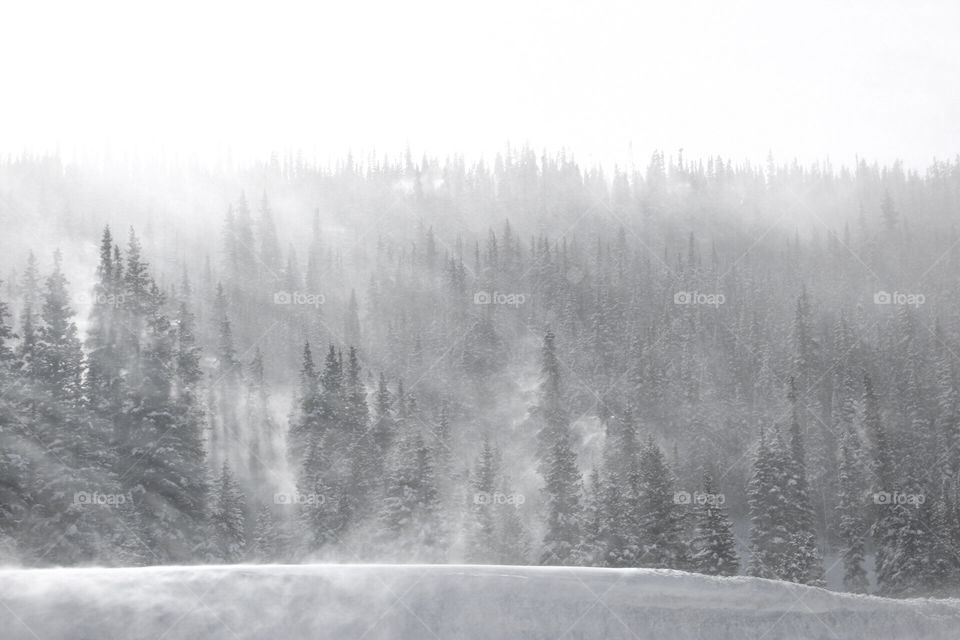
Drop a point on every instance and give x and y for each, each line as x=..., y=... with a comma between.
x=469, y=602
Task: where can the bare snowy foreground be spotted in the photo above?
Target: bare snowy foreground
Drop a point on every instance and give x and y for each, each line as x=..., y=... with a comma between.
x=442, y=601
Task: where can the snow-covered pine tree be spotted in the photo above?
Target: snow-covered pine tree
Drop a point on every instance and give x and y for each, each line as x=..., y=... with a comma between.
x=939, y=573
x=306, y=427
x=317, y=502
x=26, y=351
x=621, y=450
x=409, y=518
x=769, y=536
x=364, y=478
x=481, y=534
x=189, y=490
x=227, y=384
x=513, y=538
x=103, y=374
x=905, y=538
x=67, y=526
x=851, y=505
x=803, y=562
x=563, y=542
x=553, y=419
x=267, y=543
x=430, y=530
x=15, y=500
x=885, y=522
x=161, y=450
x=384, y=426
x=662, y=541
x=713, y=547
x=228, y=518
x=261, y=456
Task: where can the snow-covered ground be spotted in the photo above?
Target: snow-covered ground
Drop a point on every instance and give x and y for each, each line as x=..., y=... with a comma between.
x=420, y=602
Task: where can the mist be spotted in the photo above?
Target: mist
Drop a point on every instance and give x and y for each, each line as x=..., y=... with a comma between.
x=511, y=320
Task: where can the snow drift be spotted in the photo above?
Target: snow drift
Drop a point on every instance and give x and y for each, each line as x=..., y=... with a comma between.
x=290, y=602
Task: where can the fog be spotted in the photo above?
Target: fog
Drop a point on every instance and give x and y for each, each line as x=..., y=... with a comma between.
x=611, y=82
x=617, y=314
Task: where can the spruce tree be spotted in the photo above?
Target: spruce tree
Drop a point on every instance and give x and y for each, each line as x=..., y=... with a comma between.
x=481, y=535
x=187, y=457
x=553, y=419
x=362, y=451
x=802, y=563
x=15, y=473
x=853, y=516
x=885, y=521
x=513, y=539
x=305, y=421
x=266, y=545
x=769, y=535
x=713, y=547
x=26, y=351
x=228, y=518
x=661, y=518
x=906, y=540
x=410, y=519
x=70, y=523
x=103, y=374
x=384, y=427
x=563, y=542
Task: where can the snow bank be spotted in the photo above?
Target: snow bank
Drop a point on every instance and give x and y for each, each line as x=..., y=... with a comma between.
x=290, y=602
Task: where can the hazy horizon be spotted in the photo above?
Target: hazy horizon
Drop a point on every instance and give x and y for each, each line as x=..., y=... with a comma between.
x=809, y=82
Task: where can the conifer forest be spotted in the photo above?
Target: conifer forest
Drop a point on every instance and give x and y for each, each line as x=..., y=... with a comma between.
x=611, y=320
x=699, y=365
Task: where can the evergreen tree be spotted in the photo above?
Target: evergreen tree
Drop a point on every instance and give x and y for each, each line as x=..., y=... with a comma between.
x=513, y=539
x=410, y=514
x=69, y=524
x=803, y=563
x=769, y=536
x=228, y=518
x=184, y=443
x=59, y=356
x=904, y=535
x=305, y=422
x=853, y=517
x=15, y=472
x=713, y=548
x=362, y=450
x=227, y=383
x=29, y=319
x=563, y=543
x=271, y=257
x=104, y=365
x=661, y=517
x=550, y=410
x=384, y=427
x=266, y=537
x=481, y=535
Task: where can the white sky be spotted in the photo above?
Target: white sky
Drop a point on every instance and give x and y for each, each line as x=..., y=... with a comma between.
x=608, y=80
